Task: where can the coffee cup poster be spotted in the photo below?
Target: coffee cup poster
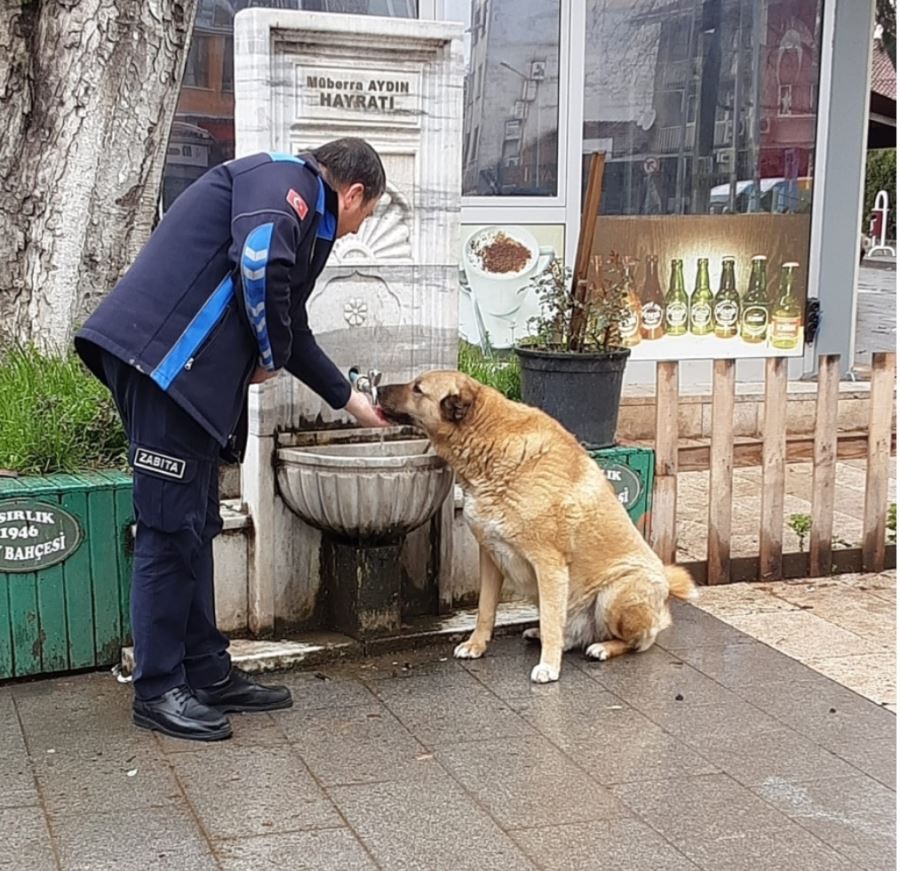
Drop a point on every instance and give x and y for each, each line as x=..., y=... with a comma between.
x=699, y=286
x=497, y=267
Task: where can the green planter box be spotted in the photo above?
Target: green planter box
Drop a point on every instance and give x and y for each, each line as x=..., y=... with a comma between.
x=630, y=471
x=65, y=572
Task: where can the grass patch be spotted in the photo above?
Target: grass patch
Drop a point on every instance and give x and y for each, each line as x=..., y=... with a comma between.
x=55, y=416
x=497, y=370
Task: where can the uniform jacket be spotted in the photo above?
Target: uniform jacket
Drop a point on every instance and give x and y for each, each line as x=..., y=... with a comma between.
x=221, y=286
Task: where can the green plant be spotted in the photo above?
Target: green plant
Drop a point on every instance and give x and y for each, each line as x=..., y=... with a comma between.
x=583, y=316
x=881, y=174
x=499, y=372
x=801, y=524
x=55, y=416
x=892, y=523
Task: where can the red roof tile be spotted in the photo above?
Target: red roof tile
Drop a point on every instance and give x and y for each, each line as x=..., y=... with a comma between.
x=884, y=76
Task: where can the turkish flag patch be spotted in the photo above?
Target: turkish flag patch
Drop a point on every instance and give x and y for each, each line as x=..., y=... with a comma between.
x=297, y=203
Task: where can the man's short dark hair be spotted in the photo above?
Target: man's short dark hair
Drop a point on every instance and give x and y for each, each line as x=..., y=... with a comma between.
x=351, y=161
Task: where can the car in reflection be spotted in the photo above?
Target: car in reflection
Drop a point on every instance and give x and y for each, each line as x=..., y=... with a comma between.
x=775, y=196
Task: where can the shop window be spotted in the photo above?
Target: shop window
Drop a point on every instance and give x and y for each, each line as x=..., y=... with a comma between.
x=706, y=112
x=512, y=54
x=718, y=97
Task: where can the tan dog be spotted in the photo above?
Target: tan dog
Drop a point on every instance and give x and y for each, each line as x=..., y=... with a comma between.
x=546, y=518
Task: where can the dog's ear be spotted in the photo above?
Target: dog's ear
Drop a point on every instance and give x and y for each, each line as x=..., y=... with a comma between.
x=455, y=406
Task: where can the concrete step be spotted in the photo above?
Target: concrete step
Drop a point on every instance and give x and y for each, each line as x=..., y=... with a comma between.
x=257, y=656
x=234, y=515
x=312, y=648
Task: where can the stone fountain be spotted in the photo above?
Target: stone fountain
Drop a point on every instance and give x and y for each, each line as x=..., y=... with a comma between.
x=365, y=492
x=351, y=527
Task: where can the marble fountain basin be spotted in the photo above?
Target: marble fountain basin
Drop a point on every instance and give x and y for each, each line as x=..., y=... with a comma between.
x=363, y=485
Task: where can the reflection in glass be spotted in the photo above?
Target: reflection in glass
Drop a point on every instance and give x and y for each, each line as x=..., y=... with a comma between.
x=203, y=130
x=196, y=67
x=702, y=106
x=511, y=102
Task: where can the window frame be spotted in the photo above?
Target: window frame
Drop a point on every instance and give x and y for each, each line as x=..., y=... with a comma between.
x=565, y=208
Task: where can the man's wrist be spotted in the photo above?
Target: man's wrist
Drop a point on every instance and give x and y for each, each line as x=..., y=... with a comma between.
x=353, y=402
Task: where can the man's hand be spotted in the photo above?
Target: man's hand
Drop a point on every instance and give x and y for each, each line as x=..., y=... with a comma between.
x=360, y=407
x=261, y=375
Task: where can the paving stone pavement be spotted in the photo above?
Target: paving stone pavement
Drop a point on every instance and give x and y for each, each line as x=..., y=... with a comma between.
x=876, y=309
x=693, y=508
x=844, y=627
x=710, y=751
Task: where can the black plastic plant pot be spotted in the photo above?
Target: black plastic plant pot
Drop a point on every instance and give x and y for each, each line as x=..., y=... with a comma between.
x=582, y=391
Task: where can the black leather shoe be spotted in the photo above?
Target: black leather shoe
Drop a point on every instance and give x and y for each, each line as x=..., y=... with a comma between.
x=179, y=713
x=238, y=692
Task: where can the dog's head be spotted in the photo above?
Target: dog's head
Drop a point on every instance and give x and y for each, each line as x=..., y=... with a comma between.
x=434, y=402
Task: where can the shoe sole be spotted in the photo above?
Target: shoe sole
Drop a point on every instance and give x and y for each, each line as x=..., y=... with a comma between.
x=146, y=723
x=253, y=709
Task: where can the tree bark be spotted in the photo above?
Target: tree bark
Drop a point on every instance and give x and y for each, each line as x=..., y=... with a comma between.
x=88, y=89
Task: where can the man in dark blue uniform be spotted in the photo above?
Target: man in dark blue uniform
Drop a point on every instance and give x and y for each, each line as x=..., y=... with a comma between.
x=215, y=301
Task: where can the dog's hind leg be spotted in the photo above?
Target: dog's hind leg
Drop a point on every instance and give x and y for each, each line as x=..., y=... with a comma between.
x=604, y=650
x=634, y=627
x=488, y=597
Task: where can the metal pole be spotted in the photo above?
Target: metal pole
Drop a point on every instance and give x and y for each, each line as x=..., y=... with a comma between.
x=753, y=114
x=839, y=189
x=736, y=113
x=537, y=139
x=689, y=80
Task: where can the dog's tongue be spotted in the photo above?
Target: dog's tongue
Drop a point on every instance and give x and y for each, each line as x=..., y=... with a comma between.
x=381, y=415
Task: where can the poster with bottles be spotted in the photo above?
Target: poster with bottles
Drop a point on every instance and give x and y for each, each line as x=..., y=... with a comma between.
x=704, y=287
x=698, y=287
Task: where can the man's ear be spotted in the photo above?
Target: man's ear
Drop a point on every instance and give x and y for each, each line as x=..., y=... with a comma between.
x=455, y=406
x=357, y=193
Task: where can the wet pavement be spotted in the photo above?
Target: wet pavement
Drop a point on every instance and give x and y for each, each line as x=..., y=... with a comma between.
x=844, y=627
x=693, y=508
x=876, y=312
x=710, y=751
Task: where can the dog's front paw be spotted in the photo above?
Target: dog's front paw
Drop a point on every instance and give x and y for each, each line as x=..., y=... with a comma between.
x=533, y=634
x=543, y=673
x=597, y=651
x=470, y=649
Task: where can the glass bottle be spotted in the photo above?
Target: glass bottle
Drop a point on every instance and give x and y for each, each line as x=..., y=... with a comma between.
x=755, y=305
x=630, y=325
x=787, y=316
x=653, y=302
x=727, y=308
x=676, y=302
x=702, y=301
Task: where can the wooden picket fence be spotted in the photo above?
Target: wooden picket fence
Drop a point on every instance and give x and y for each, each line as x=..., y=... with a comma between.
x=776, y=451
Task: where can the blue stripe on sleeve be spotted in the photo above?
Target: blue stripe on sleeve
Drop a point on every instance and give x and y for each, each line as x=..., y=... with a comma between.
x=254, y=263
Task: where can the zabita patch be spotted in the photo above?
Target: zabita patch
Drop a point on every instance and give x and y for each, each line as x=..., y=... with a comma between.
x=159, y=464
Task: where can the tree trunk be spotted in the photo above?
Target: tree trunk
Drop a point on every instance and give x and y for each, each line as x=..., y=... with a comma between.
x=88, y=89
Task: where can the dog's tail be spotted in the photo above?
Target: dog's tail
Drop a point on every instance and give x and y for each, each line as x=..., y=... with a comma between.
x=681, y=584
